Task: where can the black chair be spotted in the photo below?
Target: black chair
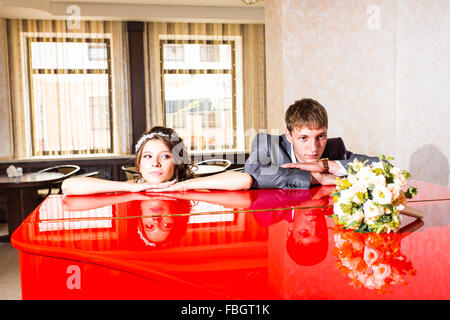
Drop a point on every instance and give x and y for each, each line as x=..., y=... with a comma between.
x=55, y=188
x=93, y=174
x=211, y=166
x=131, y=172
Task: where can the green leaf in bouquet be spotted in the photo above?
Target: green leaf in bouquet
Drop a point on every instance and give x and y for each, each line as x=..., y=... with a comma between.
x=354, y=209
x=406, y=174
x=364, y=228
x=336, y=193
x=388, y=176
x=378, y=171
x=347, y=208
x=353, y=225
x=412, y=191
x=384, y=158
x=389, y=206
x=362, y=196
x=385, y=218
x=351, y=171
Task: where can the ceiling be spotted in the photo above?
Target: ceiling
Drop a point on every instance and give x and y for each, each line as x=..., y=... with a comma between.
x=231, y=11
x=215, y=3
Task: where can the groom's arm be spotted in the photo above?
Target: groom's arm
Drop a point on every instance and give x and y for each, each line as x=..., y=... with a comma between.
x=264, y=167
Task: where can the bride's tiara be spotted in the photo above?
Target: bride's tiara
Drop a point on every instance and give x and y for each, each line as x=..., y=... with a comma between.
x=149, y=136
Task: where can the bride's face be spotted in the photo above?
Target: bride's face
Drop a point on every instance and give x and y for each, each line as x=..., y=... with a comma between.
x=157, y=164
x=157, y=226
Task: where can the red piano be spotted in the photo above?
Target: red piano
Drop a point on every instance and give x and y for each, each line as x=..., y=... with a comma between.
x=254, y=244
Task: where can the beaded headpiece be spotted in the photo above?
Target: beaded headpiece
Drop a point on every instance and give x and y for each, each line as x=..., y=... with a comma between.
x=148, y=136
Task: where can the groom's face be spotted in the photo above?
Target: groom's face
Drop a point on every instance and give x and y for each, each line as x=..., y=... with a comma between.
x=308, y=144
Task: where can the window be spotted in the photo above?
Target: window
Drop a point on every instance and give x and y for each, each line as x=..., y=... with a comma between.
x=199, y=84
x=70, y=95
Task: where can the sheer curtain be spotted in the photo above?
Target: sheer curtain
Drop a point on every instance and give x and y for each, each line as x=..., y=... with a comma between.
x=207, y=81
x=69, y=88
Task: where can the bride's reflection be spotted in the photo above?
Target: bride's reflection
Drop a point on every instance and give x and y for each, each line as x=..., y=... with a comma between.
x=371, y=260
x=160, y=226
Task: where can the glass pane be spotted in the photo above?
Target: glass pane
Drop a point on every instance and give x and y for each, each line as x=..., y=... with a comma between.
x=71, y=112
x=200, y=108
x=197, y=56
x=68, y=55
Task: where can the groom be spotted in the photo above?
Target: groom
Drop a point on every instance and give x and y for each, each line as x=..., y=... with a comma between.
x=302, y=157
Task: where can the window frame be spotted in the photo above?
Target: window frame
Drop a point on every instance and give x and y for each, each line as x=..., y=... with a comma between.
x=205, y=40
x=30, y=72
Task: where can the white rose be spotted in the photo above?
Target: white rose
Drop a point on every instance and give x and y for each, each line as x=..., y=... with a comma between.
x=338, y=210
x=371, y=212
x=358, y=216
x=356, y=164
x=352, y=179
x=377, y=165
x=381, y=195
x=399, y=177
x=379, y=180
x=365, y=176
x=396, y=171
x=359, y=187
x=346, y=196
x=394, y=189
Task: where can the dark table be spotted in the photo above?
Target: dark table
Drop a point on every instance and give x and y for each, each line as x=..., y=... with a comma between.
x=21, y=194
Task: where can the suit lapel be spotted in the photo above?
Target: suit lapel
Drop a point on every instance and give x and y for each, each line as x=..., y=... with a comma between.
x=285, y=146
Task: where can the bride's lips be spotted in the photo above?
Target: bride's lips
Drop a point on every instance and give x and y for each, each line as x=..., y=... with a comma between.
x=155, y=173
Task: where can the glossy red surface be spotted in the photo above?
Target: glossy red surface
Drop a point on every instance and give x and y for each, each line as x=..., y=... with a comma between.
x=257, y=244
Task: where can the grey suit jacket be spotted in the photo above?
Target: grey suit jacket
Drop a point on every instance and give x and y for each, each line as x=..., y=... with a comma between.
x=270, y=151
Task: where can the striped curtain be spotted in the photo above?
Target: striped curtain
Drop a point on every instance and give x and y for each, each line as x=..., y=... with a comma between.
x=69, y=88
x=207, y=110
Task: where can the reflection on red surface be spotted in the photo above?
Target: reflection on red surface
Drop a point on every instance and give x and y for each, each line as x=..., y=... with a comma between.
x=257, y=244
x=372, y=260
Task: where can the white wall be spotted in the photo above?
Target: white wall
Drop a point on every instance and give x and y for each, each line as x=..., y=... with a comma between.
x=380, y=67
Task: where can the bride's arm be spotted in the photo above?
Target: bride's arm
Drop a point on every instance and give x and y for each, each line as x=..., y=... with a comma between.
x=88, y=185
x=229, y=180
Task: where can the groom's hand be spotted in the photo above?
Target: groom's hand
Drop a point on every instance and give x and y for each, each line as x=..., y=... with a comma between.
x=312, y=166
x=325, y=179
x=306, y=166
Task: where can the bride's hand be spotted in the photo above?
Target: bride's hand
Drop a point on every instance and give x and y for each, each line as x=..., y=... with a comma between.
x=180, y=186
x=138, y=187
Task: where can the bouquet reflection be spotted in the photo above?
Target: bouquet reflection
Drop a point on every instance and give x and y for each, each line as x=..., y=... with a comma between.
x=372, y=260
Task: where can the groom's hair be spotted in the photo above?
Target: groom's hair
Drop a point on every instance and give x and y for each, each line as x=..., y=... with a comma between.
x=306, y=113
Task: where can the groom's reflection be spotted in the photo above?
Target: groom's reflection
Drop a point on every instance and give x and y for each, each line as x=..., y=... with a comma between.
x=306, y=234
x=307, y=237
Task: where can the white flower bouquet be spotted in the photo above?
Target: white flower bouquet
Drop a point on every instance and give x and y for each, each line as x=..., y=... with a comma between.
x=370, y=198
